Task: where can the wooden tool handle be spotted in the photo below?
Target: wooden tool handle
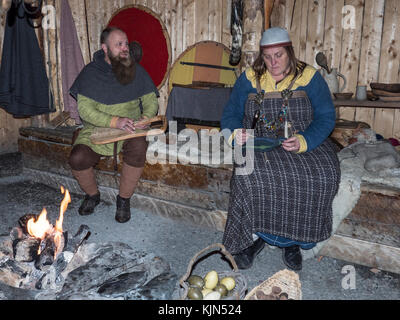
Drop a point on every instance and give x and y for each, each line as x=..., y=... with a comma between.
x=108, y=135
x=149, y=120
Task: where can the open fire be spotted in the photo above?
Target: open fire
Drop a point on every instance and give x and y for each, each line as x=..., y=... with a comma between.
x=38, y=252
x=41, y=228
x=41, y=261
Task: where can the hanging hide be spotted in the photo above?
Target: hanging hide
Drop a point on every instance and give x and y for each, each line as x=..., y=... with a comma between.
x=236, y=31
x=24, y=86
x=71, y=58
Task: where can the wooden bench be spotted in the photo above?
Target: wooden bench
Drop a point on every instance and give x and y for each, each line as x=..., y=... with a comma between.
x=194, y=193
x=199, y=195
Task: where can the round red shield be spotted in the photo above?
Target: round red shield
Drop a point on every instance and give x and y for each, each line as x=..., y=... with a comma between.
x=144, y=26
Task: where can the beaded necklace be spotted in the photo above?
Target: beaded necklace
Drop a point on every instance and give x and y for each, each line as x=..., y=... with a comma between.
x=281, y=123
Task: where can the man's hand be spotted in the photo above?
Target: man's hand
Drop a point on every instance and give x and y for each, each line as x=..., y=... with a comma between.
x=126, y=124
x=139, y=125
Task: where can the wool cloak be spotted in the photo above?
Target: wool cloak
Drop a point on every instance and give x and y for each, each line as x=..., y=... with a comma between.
x=98, y=82
x=24, y=86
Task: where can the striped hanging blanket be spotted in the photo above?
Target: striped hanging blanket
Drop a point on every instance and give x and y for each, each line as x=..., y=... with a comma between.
x=285, y=194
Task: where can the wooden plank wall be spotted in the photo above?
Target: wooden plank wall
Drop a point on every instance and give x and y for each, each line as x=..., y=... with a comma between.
x=361, y=38
x=367, y=52
x=187, y=22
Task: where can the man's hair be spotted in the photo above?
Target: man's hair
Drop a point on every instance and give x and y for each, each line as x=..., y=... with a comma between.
x=106, y=33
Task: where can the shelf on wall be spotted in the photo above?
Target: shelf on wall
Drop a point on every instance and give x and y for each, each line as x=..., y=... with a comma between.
x=367, y=104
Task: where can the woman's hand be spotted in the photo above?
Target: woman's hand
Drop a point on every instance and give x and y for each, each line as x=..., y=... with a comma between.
x=126, y=124
x=241, y=137
x=292, y=144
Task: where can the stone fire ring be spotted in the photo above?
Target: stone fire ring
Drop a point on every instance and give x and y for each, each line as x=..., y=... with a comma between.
x=106, y=271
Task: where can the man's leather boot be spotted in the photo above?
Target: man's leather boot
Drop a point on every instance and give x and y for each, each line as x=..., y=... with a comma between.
x=123, y=213
x=292, y=257
x=87, y=182
x=88, y=204
x=244, y=259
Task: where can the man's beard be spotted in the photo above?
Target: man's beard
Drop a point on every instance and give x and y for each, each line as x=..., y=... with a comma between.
x=123, y=68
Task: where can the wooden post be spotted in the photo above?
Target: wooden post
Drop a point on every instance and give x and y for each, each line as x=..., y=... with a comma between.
x=253, y=26
x=387, y=121
x=370, y=52
x=351, y=50
x=268, y=6
x=236, y=31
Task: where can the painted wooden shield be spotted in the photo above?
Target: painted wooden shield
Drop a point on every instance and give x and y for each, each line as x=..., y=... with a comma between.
x=143, y=26
x=205, y=61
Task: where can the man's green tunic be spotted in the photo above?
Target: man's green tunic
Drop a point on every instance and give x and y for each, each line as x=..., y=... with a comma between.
x=101, y=98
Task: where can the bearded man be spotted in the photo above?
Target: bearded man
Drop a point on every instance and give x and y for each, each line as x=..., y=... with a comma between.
x=112, y=91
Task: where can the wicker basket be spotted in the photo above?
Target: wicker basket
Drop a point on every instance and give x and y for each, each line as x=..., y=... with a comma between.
x=285, y=279
x=237, y=293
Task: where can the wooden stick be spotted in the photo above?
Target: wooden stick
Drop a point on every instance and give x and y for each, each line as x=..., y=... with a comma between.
x=108, y=135
x=150, y=120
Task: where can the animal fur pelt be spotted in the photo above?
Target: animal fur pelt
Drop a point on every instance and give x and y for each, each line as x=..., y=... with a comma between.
x=368, y=161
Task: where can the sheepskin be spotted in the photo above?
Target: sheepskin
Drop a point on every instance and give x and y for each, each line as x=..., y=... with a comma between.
x=366, y=161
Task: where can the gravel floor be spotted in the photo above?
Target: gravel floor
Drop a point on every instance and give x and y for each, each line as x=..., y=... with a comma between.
x=177, y=243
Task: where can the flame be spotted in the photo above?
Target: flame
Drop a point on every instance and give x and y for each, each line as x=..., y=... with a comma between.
x=63, y=208
x=42, y=227
x=39, y=228
x=59, y=222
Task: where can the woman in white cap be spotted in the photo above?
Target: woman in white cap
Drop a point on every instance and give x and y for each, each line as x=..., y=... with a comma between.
x=286, y=200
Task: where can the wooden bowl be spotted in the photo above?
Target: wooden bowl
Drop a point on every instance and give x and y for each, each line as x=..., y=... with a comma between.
x=371, y=96
x=390, y=87
x=343, y=95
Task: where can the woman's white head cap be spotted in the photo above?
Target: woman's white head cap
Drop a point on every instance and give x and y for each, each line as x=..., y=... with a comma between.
x=275, y=37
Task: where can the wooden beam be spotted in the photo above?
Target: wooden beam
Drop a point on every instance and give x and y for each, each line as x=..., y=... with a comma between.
x=362, y=252
x=387, y=121
x=268, y=7
x=370, y=52
x=253, y=26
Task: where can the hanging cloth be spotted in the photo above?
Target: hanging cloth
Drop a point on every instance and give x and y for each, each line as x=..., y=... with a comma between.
x=24, y=86
x=71, y=59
